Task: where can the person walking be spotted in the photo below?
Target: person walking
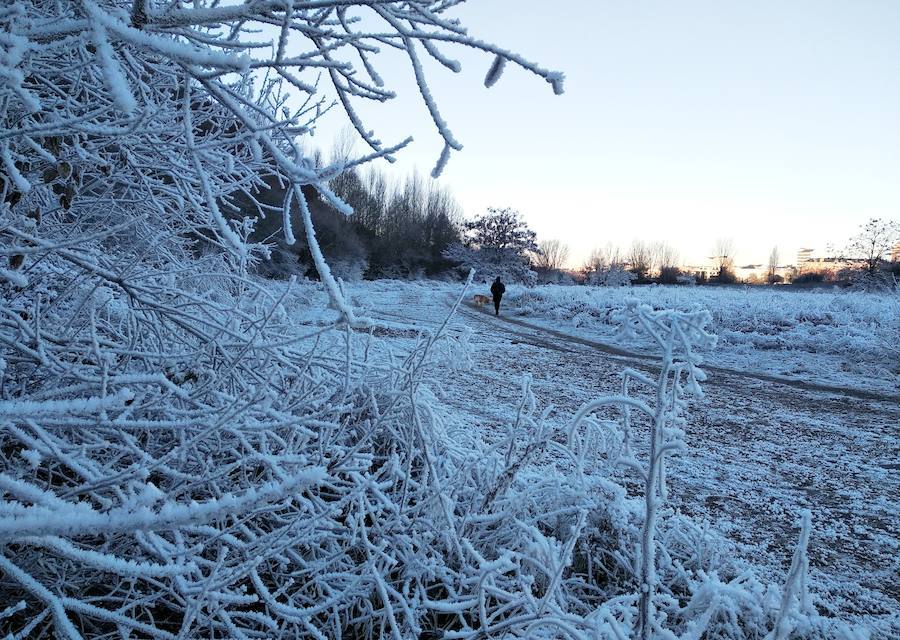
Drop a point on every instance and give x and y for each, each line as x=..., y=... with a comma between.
x=497, y=290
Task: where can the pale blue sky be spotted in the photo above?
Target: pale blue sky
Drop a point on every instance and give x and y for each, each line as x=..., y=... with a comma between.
x=769, y=122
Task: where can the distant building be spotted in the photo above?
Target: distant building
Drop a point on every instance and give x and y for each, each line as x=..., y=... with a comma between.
x=832, y=265
x=803, y=255
x=699, y=273
x=808, y=263
x=895, y=252
x=816, y=268
x=749, y=272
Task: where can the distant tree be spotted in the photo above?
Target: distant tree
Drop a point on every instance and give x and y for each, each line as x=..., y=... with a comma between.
x=602, y=258
x=875, y=239
x=491, y=263
x=403, y=245
x=501, y=230
x=404, y=227
x=723, y=261
x=552, y=257
x=665, y=260
x=442, y=225
x=497, y=243
x=639, y=260
x=669, y=275
x=614, y=276
x=664, y=255
x=606, y=267
x=772, y=271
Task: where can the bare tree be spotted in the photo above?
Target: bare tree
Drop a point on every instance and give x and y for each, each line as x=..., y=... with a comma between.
x=723, y=259
x=772, y=270
x=875, y=239
x=552, y=256
x=606, y=266
x=602, y=258
x=639, y=259
x=654, y=249
x=665, y=262
x=662, y=257
x=343, y=148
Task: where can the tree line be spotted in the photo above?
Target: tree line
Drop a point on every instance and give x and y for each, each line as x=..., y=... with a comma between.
x=414, y=228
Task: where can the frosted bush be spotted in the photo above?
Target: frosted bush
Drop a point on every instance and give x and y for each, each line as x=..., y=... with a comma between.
x=349, y=270
x=179, y=456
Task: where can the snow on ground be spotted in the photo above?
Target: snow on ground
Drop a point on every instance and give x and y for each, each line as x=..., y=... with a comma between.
x=759, y=450
x=845, y=338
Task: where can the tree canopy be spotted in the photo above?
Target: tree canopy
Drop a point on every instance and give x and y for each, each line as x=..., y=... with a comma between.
x=501, y=230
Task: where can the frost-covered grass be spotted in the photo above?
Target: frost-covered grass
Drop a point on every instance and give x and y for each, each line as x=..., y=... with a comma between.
x=759, y=452
x=844, y=336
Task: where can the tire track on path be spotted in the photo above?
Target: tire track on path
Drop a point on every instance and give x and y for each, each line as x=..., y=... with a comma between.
x=620, y=353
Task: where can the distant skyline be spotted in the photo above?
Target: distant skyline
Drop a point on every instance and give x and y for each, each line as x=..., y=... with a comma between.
x=770, y=123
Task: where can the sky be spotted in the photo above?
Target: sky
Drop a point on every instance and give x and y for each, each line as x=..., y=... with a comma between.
x=771, y=123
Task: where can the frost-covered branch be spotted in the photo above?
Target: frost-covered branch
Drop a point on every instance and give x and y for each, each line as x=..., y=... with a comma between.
x=676, y=335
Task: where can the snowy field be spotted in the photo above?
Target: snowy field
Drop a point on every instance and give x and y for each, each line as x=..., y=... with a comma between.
x=424, y=474
x=849, y=339
x=759, y=449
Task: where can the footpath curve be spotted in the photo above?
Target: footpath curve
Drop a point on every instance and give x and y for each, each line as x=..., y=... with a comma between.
x=648, y=361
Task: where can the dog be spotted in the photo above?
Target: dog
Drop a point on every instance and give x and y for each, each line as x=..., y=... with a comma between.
x=481, y=300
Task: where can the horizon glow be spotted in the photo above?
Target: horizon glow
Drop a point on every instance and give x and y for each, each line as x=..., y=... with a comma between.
x=770, y=123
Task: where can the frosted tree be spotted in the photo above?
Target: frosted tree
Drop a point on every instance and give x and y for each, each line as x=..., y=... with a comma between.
x=603, y=257
x=605, y=266
x=665, y=262
x=616, y=275
x=497, y=243
x=501, y=230
x=640, y=259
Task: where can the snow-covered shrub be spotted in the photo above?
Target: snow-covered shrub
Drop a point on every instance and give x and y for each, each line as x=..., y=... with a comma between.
x=489, y=263
x=611, y=276
x=878, y=281
x=179, y=455
x=676, y=335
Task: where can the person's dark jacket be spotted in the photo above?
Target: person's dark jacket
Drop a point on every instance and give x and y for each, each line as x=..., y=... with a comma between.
x=498, y=289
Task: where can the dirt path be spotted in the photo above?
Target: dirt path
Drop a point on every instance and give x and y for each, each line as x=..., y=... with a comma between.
x=642, y=357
